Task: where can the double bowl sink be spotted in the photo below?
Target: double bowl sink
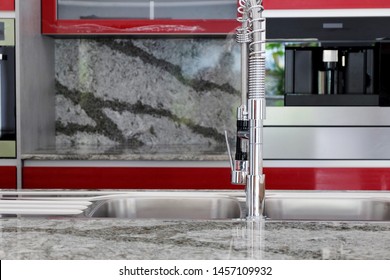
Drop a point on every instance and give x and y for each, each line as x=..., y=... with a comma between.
x=279, y=205
x=212, y=205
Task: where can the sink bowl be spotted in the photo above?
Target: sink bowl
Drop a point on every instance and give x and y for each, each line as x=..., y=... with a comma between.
x=325, y=206
x=171, y=206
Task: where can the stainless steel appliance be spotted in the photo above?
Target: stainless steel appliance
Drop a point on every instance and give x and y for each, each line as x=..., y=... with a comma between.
x=7, y=89
x=333, y=75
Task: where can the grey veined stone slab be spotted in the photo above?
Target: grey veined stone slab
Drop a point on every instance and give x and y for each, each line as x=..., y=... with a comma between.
x=146, y=91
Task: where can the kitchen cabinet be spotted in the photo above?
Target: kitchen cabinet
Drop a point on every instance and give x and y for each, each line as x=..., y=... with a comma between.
x=325, y=4
x=121, y=177
x=7, y=176
x=87, y=17
x=42, y=168
x=296, y=9
x=7, y=5
x=138, y=17
x=38, y=175
x=80, y=17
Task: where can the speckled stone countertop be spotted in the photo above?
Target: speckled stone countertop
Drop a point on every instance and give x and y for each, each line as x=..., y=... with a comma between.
x=33, y=238
x=121, y=152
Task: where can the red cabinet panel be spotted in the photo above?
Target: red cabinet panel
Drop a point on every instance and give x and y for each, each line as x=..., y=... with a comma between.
x=7, y=5
x=51, y=25
x=325, y=4
x=126, y=178
x=7, y=177
x=202, y=178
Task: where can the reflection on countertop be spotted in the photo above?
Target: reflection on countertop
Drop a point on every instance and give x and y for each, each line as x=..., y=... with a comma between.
x=67, y=238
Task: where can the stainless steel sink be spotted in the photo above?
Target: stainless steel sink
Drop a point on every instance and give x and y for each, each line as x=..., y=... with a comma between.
x=328, y=206
x=279, y=205
x=179, y=205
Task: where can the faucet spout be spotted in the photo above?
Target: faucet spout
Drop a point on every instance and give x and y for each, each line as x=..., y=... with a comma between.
x=248, y=167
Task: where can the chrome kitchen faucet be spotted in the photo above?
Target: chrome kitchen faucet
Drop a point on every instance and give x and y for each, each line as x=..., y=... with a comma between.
x=247, y=167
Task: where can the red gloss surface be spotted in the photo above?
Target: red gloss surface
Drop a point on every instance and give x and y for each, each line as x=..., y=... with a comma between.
x=51, y=25
x=325, y=4
x=7, y=5
x=203, y=178
x=7, y=177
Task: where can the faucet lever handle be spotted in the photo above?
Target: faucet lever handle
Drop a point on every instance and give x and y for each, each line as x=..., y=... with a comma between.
x=228, y=151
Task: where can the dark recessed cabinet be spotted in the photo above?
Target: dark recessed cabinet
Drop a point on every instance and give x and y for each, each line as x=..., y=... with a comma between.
x=7, y=90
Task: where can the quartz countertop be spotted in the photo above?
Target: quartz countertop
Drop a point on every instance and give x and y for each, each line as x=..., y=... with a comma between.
x=78, y=238
x=122, y=152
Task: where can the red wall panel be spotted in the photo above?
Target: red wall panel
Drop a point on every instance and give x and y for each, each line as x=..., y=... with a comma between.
x=7, y=5
x=203, y=178
x=7, y=177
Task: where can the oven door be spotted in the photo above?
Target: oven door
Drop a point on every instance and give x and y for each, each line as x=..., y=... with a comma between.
x=7, y=90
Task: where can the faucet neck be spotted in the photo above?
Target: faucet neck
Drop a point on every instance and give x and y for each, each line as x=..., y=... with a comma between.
x=251, y=35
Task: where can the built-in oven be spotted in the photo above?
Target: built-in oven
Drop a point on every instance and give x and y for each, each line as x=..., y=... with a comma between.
x=7, y=89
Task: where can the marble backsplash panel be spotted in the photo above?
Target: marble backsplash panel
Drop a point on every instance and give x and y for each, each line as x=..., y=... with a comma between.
x=146, y=92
